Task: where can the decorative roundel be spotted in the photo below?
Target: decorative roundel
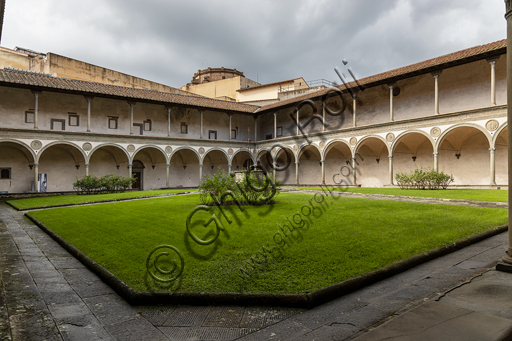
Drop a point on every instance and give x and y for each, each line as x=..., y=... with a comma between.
x=168, y=149
x=201, y=150
x=322, y=144
x=230, y=151
x=87, y=146
x=390, y=137
x=492, y=125
x=435, y=132
x=353, y=141
x=130, y=148
x=36, y=144
x=295, y=147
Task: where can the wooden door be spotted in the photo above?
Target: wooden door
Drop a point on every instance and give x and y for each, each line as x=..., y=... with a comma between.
x=137, y=183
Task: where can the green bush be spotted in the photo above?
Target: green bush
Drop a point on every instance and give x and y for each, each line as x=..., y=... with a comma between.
x=109, y=183
x=222, y=188
x=423, y=179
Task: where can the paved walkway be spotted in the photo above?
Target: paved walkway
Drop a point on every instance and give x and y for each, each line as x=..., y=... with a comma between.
x=48, y=295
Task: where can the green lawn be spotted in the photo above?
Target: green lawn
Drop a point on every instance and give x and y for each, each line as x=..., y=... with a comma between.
x=79, y=199
x=465, y=194
x=348, y=237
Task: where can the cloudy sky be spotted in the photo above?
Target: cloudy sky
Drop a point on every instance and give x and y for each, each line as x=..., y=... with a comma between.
x=167, y=40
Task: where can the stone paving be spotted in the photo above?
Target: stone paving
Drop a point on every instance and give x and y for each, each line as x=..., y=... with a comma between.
x=46, y=294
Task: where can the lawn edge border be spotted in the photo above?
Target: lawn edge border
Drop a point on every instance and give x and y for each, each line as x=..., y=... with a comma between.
x=96, y=202
x=309, y=300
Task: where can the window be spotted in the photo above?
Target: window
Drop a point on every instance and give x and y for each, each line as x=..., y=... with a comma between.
x=140, y=126
x=30, y=117
x=212, y=134
x=74, y=119
x=5, y=173
x=223, y=77
x=233, y=134
x=268, y=137
x=56, y=124
x=112, y=122
x=184, y=128
x=279, y=131
x=147, y=125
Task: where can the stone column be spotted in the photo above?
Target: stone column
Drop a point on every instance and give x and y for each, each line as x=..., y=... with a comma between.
x=130, y=172
x=297, y=172
x=493, y=80
x=200, y=172
x=275, y=125
x=274, y=169
x=323, y=171
x=201, y=125
x=255, y=128
x=89, y=99
x=354, y=109
x=230, y=126
x=168, y=123
x=297, y=123
x=167, y=174
x=36, y=107
x=436, y=161
x=493, y=166
x=229, y=167
x=86, y=169
x=507, y=260
x=36, y=177
x=391, y=170
x=354, y=165
x=436, y=92
x=391, y=117
x=131, y=118
x=323, y=115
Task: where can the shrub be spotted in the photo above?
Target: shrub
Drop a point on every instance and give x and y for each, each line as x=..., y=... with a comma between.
x=91, y=184
x=223, y=189
x=424, y=179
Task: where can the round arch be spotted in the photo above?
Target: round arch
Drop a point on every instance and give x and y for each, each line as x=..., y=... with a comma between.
x=371, y=161
x=285, y=165
x=408, y=132
x=412, y=149
x=305, y=147
x=497, y=133
x=464, y=153
x=238, y=160
x=215, y=149
x=17, y=160
x=214, y=159
x=100, y=160
x=500, y=145
x=337, y=164
x=91, y=153
x=185, y=149
x=154, y=174
x=329, y=145
x=184, y=164
x=164, y=154
x=310, y=165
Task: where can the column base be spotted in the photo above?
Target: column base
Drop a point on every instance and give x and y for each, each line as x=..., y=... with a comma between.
x=505, y=264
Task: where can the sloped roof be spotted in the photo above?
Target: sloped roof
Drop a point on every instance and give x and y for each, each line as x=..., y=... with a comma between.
x=43, y=81
x=430, y=65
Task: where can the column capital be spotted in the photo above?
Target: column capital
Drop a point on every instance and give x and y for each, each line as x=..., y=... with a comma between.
x=167, y=165
x=200, y=165
x=89, y=98
x=390, y=156
x=36, y=163
x=391, y=86
x=436, y=74
x=492, y=60
x=168, y=106
x=508, y=12
x=36, y=92
x=436, y=153
x=131, y=103
x=492, y=149
x=86, y=165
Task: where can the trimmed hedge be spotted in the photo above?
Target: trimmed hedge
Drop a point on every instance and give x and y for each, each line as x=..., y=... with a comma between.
x=109, y=183
x=423, y=179
x=223, y=189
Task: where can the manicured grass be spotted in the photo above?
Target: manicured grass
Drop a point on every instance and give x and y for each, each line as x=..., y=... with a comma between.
x=79, y=199
x=465, y=194
x=347, y=237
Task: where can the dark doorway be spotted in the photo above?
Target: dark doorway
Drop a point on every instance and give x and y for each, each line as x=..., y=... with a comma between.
x=138, y=173
x=137, y=183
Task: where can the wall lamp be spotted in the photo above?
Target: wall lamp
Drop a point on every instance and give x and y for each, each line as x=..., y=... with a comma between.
x=117, y=166
x=30, y=166
x=458, y=156
x=414, y=158
x=153, y=166
x=378, y=160
x=184, y=166
x=77, y=166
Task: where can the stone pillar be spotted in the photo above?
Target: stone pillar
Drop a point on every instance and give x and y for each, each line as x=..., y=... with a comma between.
x=493, y=80
x=354, y=165
x=275, y=125
x=493, y=166
x=255, y=128
x=201, y=125
x=167, y=165
x=354, y=109
x=436, y=161
x=323, y=115
x=36, y=107
x=391, y=170
x=200, y=172
x=507, y=260
x=36, y=177
x=323, y=171
x=86, y=169
x=274, y=169
x=391, y=117
x=297, y=123
x=130, y=172
x=230, y=126
x=297, y=172
x=89, y=99
x=131, y=118
x=436, y=92
x=229, y=167
x=168, y=123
